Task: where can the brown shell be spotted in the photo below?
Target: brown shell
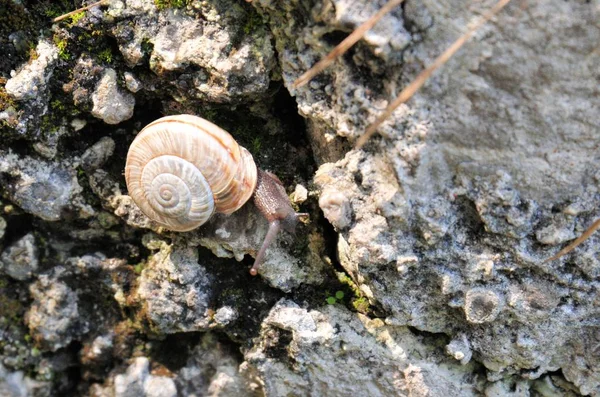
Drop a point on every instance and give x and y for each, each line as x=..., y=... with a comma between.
x=180, y=169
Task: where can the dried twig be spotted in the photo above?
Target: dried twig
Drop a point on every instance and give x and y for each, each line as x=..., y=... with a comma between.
x=348, y=42
x=418, y=82
x=590, y=230
x=77, y=11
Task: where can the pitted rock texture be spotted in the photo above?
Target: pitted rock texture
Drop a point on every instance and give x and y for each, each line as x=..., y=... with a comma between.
x=111, y=104
x=334, y=352
x=63, y=309
x=20, y=260
x=31, y=81
x=175, y=291
x=44, y=189
x=214, y=51
x=455, y=210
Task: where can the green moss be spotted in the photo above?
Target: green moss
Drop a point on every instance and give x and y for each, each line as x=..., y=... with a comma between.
x=361, y=305
x=252, y=22
x=107, y=220
x=139, y=267
x=256, y=145
x=10, y=309
x=6, y=100
x=76, y=18
x=62, y=44
x=57, y=105
x=337, y=297
x=162, y=4
x=359, y=302
x=106, y=55
x=35, y=352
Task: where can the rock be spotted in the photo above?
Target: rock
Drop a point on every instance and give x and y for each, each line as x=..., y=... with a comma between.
x=225, y=315
x=304, y=41
x=95, y=156
x=33, y=78
x=460, y=349
x=336, y=208
x=20, y=260
x=175, y=291
x=44, y=189
x=16, y=384
x=334, y=352
x=203, y=52
x=60, y=313
x=111, y=104
x=212, y=369
x=482, y=306
x=300, y=194
x=54, y=316
x=454, y=205
x=132, y=84
x=137, y=381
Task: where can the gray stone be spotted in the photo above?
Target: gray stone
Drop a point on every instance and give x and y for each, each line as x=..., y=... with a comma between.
x=32, y=79
x=96, y=155
x=204, y=50
x=212, y=370
x=132, y=83
x=175, y=291
x=54, y=314
x=111, y=104
x=20, y=260
x=334, y=352
x=336, y=208
x=137, y=382
x=455, y=205
x=17, y=384
x=44, y=189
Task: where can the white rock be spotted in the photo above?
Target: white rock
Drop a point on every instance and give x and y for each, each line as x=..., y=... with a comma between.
x=111, y=104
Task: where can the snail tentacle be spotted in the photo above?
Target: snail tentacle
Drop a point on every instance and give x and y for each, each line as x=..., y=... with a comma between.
x=274, y=228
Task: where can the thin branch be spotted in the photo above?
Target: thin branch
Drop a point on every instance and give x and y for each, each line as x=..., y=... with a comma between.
x=418, y=82
x=348, y=42
x=590, y=230
x=77, y=11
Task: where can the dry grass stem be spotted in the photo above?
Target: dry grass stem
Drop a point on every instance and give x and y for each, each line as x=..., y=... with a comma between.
x=67, y=15
x=418, y=82
x=348, y=42
x=595, y=226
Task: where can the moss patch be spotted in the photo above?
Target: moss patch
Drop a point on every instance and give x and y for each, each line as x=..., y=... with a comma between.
x=162, y=4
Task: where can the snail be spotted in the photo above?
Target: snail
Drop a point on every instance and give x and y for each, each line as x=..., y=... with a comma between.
x=182, y=169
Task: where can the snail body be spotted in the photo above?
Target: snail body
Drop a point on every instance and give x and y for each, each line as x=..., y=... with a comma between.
x=182, y=169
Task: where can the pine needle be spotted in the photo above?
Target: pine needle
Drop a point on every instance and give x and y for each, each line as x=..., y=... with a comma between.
x=348, y=42
x=590, y=230
x=77, y=11
x=418, y=82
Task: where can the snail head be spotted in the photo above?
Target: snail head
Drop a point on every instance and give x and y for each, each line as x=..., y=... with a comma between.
x=272, y=201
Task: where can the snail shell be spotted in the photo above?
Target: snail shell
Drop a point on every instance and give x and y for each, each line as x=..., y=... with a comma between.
x=181, y=169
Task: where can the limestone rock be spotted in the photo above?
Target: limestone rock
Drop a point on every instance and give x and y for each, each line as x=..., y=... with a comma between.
x=111, y=103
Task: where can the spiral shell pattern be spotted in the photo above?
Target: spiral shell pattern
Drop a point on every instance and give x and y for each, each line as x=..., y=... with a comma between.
x=181, y=169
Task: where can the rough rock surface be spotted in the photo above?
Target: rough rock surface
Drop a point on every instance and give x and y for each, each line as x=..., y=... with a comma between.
x=426, y=275
x=20, y=260
x=44, y=189
x=332, y=351
x=175, y=291
x=137, y=381
x=111, y=104
x=31, y=81
x=213, y=51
